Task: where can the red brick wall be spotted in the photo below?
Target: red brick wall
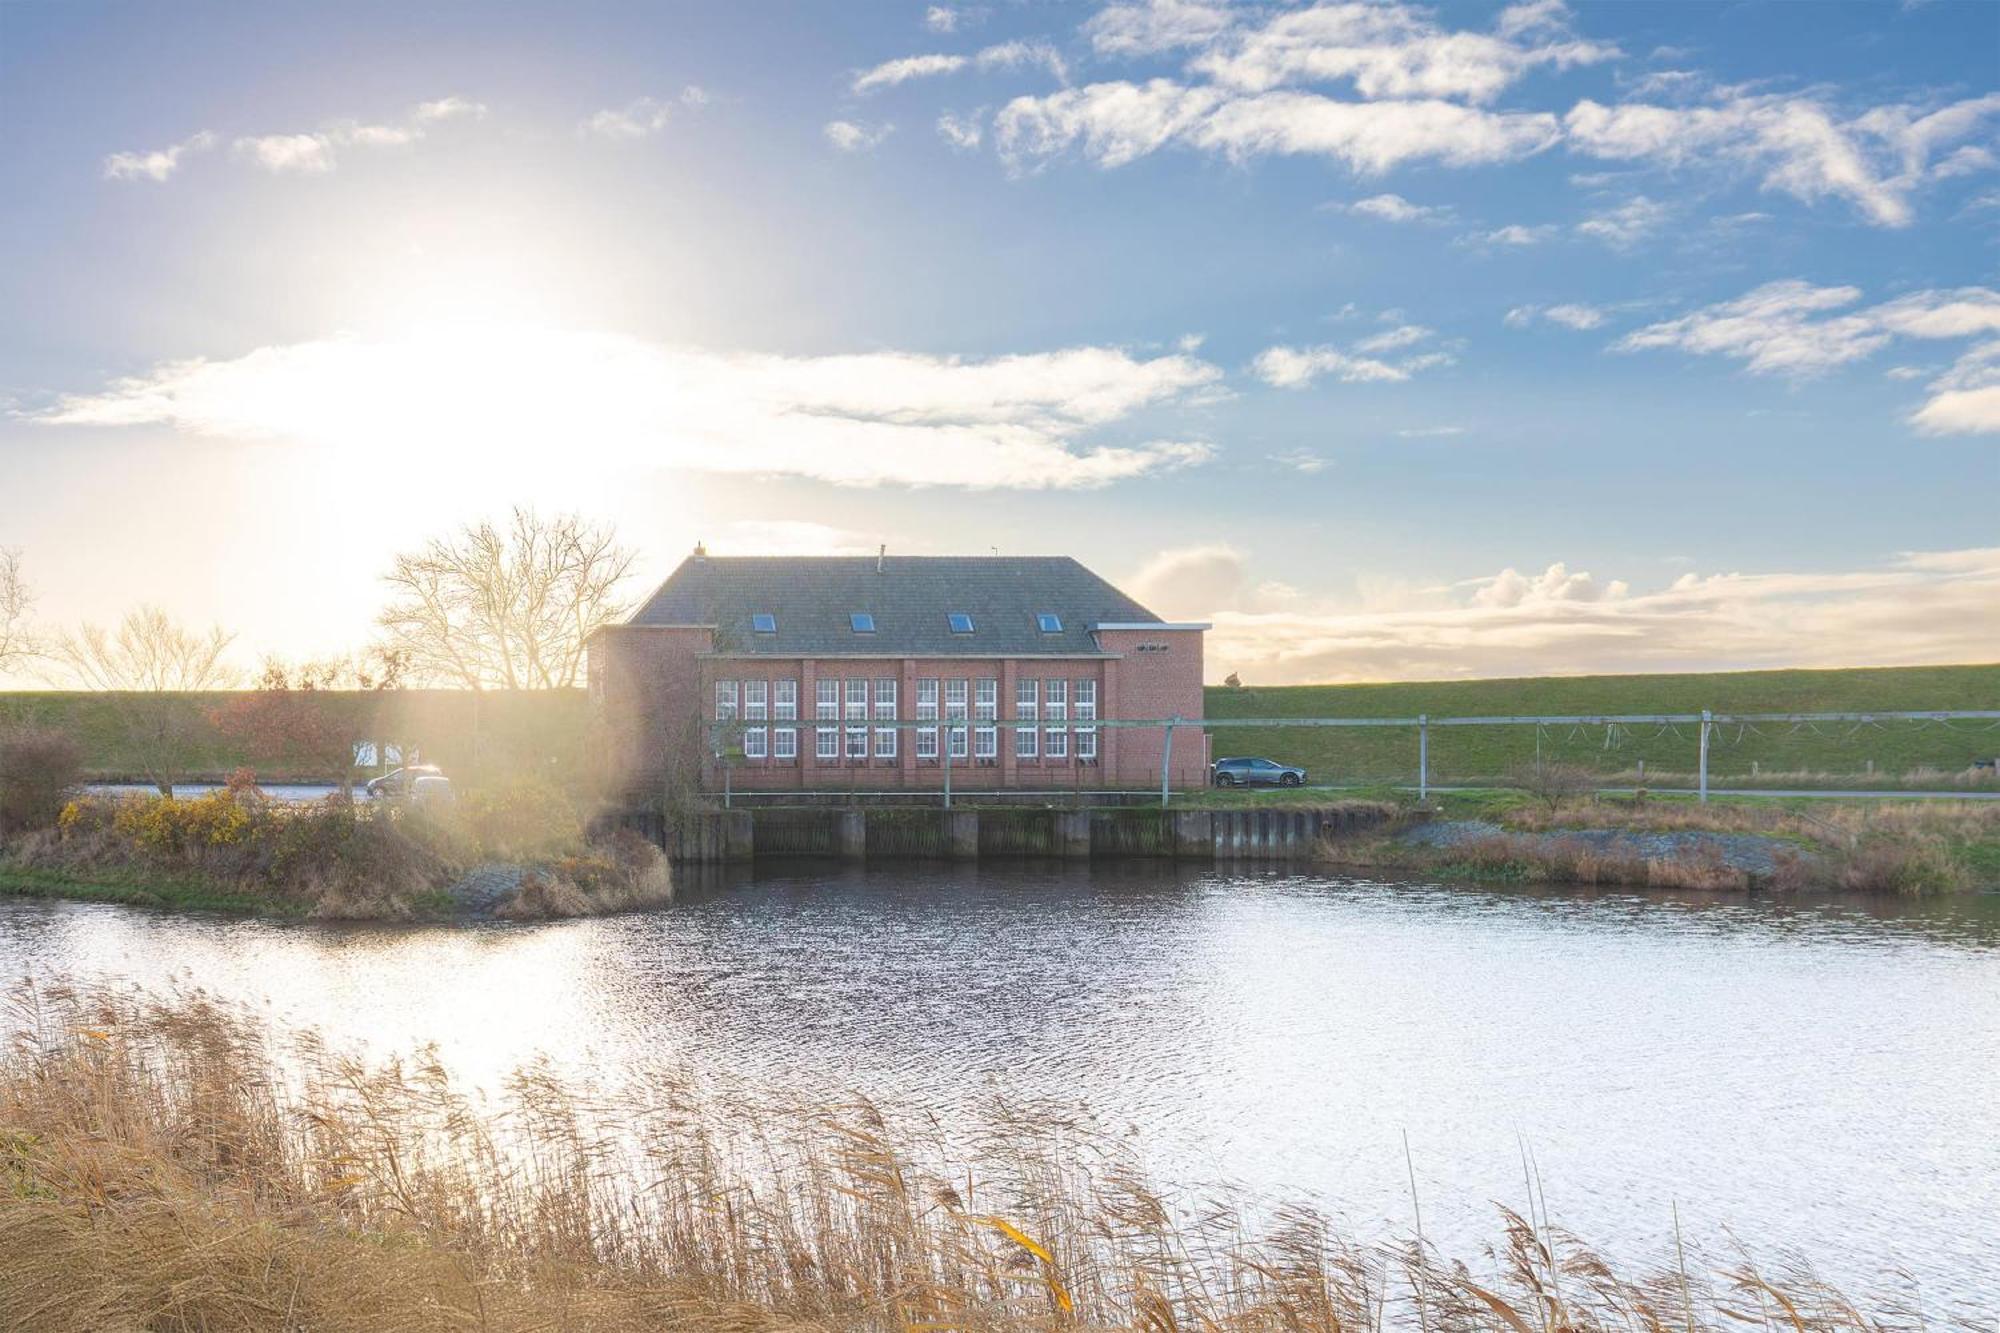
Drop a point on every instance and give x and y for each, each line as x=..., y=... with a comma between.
x=645, y=689
x=1157, y=682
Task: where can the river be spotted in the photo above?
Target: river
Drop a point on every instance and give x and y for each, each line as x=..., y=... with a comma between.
x=1814, y=1077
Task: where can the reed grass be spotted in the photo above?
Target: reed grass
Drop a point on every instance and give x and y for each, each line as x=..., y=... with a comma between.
x=168, y=1163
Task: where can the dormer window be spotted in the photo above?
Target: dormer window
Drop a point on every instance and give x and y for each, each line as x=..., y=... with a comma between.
x=763, y=622
x=961, y=623
x=862, y=622
x=1049, y=622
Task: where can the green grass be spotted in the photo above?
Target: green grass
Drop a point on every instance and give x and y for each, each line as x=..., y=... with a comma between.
x=149, y=891
x=1374, y=755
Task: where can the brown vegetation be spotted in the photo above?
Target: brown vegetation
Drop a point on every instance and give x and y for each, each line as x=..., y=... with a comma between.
x=39, y=769
x=169, y=1165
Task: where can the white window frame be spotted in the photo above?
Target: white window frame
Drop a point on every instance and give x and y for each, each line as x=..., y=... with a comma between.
x=826, y=698
x=756, y=743
x=885, y=711
x=986, y=708
x=785, y=744
x=1027, y=707
x=857, y=698
x=756, y=700
x=1055, y=744
x=927, y=711
x=826, y=744
x=784, y=701
x=1086, y=712
x=725, y=701
x=957, y=706
x=857, y=744
x=1055, y=700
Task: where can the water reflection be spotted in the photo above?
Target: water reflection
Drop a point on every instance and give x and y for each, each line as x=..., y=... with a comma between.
x=1819, y=1075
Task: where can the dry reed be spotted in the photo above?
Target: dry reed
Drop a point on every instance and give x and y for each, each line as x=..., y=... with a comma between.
x=165, y=1163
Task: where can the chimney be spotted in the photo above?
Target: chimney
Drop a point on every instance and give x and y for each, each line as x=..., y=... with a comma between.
x=700, y=551
x=881, y=552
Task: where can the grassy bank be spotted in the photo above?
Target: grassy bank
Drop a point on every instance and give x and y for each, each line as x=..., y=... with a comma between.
x=170, y=1164
x=143, y=889
x=1783, y=755
x=1904, y=848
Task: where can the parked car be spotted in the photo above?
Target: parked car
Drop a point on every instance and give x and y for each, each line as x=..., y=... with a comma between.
x=1986, y=765
x=1255, y=772
x=431, y=791
x=397, y=783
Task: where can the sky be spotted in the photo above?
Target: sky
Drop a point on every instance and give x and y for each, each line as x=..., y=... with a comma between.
x=1398, y=341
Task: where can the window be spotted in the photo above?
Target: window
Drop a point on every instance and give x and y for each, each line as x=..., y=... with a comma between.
x=862, y=622
x=954, y=711
x=1049, y=622
x=1027, y=694
x=1055, y=708
x=763, y=622
x=857, y=743
x=785, y=743
x=1055, y=744
x=725, y=701
x=826, y=707
x=754, y=743
x=857, y=700
x=927, y=711
x=885, y=711
x=1086, y=712
x=785, y=700
x=756, y=700
x=961, y=623
x=986, y=708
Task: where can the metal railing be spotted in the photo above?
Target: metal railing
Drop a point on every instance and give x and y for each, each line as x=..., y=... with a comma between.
x=1706, y=719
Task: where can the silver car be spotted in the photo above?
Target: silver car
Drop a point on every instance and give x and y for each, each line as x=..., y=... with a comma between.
x=1255, y=772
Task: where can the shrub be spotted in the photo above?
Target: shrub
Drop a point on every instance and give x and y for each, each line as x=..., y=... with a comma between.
x=39, y=769
x=1554, y=785
x=523, y=821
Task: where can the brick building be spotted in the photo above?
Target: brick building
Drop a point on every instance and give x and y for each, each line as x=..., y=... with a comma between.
x=802, y=662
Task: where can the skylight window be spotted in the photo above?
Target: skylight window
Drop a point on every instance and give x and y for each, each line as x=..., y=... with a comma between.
x=763, y=622
x=1050, y=622
x=961, y=623
x=863, y=622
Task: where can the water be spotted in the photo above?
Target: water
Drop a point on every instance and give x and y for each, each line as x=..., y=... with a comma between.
x=1816, y=1077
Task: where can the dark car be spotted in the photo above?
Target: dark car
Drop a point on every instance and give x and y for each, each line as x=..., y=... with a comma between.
x=1255, y=772
x=396, y=784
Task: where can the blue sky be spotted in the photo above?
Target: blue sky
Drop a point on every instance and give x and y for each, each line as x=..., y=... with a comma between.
x=1400, y=341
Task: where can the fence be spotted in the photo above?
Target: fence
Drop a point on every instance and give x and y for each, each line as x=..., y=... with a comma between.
x=1623, y=733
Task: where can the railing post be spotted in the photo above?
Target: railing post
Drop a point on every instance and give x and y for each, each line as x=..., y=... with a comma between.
x=1167, y=759
x=1705, y=715
x=1423, y=757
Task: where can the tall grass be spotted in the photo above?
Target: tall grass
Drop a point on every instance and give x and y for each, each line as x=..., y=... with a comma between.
x=166, y=1163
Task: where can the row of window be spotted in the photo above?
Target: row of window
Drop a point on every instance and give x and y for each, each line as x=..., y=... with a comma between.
x=863, y=622
x=860, y=699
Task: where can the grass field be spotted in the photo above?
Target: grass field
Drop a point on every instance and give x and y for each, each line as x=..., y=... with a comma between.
x=1782, y=755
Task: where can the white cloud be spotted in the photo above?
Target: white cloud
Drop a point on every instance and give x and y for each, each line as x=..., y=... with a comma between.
x=850, y=137
x=319, y=151
x=1918, y=608
x=1787, y=327
x=1430, y=432
x=1395, y=208
x=1965, y=399
x=1626, y=225
x=961, y=131
x=1801, y=146
x=787, y=536
x=637, y=119
x=449, y=108
x=1004, y=55
x=1302, y=460
x=1153, y=26
x=488, y=393
x=1394, y=51
x=1116, y=123
x=1514, y=234
x=1570, y=315
x=694, y=96
x=1390, y=340
x=941, y=18
x=159, y=163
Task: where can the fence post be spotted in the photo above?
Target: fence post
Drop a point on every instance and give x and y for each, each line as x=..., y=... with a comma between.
x=1705, y=715
x=1423, y=757
x=1167, y=760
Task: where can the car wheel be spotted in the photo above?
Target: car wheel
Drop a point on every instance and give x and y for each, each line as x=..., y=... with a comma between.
x=1290, y=780
x=1225, y=779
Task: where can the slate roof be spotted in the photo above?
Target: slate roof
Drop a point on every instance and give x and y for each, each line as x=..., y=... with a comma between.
x=910, y=598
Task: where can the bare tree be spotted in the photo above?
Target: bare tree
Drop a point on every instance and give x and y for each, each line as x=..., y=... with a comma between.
x=17, y=604
x=146, y=668
x=1555, y=785
x=489, y=608
x=317, y=714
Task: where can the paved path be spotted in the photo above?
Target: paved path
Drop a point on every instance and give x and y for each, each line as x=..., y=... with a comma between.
x=1835, y=795
x=1751, y=852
